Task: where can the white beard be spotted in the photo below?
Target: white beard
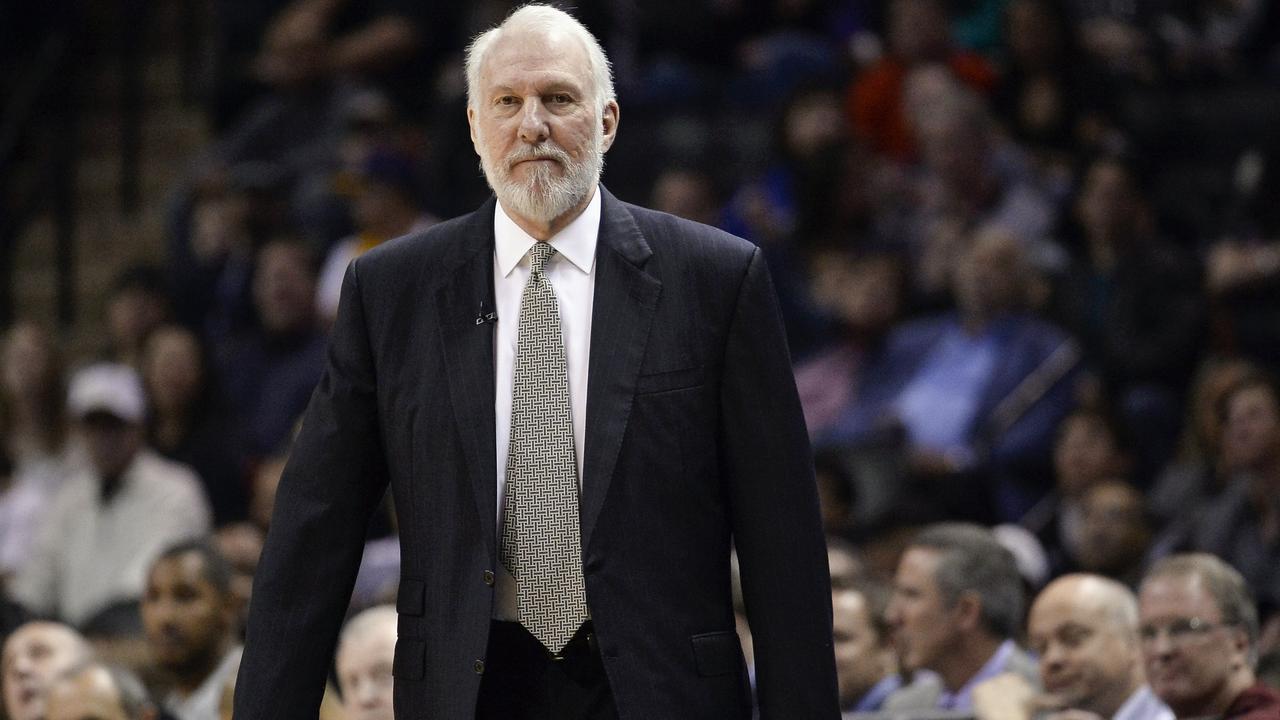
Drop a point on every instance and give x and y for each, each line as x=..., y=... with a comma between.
x=545, y=196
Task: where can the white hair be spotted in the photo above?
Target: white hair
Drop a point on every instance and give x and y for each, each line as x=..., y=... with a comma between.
x=544, y=19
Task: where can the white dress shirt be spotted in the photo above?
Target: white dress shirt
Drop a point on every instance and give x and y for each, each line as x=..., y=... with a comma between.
x=572, y=275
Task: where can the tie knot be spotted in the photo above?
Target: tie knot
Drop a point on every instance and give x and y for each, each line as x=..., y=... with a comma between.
x=539, y=254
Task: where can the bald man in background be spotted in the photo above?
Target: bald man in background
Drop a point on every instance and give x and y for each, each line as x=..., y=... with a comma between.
x=33, y=656
x=1085, y=630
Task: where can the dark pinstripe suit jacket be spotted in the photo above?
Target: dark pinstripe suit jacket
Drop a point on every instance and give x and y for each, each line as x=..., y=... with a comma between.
x=694, y=439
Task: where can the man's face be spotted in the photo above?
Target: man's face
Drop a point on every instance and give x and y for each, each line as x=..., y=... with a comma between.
x=538, y=126
x=33, y=656
x=922, y=622
x=1251, y=432
x=284, y=288
x=90, y=695
x=364, y=672
x=859, y=655
x=1084, y=454
x=1088, y=661
x=110, y=442
x=1192, y=663
x=185, y=617
x=1113, y=529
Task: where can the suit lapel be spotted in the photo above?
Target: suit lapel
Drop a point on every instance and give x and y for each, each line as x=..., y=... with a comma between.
x=622, y=312
x=468, y=349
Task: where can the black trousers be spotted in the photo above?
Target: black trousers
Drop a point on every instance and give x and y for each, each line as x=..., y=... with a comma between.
x=522, y=681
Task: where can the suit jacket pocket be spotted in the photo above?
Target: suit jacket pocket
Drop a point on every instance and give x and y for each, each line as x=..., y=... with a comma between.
x=410, y=659
x=717, y=653
x=411, y=598
x=669, y=380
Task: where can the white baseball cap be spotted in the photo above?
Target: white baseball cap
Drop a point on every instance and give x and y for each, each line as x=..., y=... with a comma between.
x=109, y=388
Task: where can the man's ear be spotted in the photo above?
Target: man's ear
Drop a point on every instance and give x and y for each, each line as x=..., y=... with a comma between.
x=609, y=116
x=967, y=612
x=471, y=123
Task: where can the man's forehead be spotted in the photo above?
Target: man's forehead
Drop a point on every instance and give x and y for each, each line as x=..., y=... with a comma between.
x=1177, y=596
x=557, y=54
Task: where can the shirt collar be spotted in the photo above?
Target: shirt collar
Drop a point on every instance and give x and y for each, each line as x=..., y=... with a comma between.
x=1143, y=705
x=576, y=242
x=962, y=699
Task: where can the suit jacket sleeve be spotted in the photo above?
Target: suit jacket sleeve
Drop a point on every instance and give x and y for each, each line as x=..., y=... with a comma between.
x=331, y=484
x=774, y=505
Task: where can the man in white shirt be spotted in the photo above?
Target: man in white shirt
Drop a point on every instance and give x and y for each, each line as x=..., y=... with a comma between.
x=109, y=520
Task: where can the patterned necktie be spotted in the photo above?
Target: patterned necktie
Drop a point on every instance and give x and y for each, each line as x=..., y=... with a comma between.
x=541, y=540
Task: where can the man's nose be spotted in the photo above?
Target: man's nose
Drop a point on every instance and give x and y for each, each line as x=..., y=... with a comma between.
x=533, y=122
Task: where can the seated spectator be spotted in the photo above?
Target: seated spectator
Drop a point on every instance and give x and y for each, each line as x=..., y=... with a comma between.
x=1134, y=301
x=866, y=665
x=1084, y=628
x=241, y=544
x=187, y=423
x=983, y=388
x=34, y=442
x=33, y=657
x=1198, y=626
x=686, y=192
x=102, y=529
x=101, y=692
x=956, y=607
x=189, y=615
x=1089, y=449
x=1196, y=475
x=864, y=294
x=268, y=374
x=970, y=180
x=1115, y=533
x=919, y=33
x=1242, y=525
x=363, y=661
x=137, y=304
x=387, y=204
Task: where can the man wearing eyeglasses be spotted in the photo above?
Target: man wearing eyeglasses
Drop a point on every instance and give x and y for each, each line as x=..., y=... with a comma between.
x=1198, y=625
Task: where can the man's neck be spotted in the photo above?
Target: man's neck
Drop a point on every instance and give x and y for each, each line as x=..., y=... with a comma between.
x=190, y=678
x=1110, y=703
x=1217, y=703
x=543, y=231
x=966, y=659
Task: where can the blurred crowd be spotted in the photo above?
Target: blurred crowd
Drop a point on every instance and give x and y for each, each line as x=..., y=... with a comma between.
x=1027, y=251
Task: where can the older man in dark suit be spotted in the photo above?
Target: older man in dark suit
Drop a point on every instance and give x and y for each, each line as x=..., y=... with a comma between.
x=579, y=405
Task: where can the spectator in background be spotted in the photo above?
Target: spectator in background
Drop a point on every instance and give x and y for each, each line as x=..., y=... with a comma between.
x=137, y=304
x=188, y=611
x=956, y=607
x=1242, y=525
x=32, y=400
x=101, y=692
x=241, y=545
x=269, y=373
x=1049, y=98
x=863, y=292
x=686, y=192
x=918, y=34
x=187, y=422
x=1134, y=301
x=866, y=664
x=982, y=389
x=33, y=657
x=94, y=544
x=1197, y=475
x=363, y=661
x=1115, y=533
x=1089, y=449
x=386, y=204
x=1198, y=626
x=970, y=179
x=1084, y=628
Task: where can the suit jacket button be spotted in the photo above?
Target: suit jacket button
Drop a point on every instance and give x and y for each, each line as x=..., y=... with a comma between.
x=488, y=578
x=478, y=667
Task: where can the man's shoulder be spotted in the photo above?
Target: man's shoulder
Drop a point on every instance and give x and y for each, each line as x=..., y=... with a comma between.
x=672, y=235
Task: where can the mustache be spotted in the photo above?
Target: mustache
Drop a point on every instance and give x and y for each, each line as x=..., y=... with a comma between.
x=538, y=152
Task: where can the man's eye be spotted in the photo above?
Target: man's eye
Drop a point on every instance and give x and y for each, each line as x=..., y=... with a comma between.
x=507, y=100
x=561, y=99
